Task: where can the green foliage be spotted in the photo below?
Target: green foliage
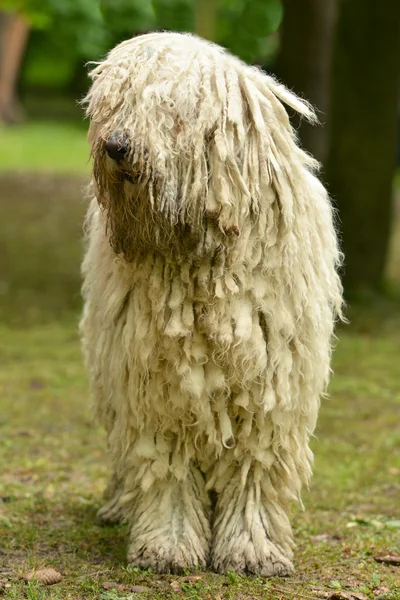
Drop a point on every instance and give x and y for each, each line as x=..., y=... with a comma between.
x=75, y=25
x=78, y=26
x=122, y=16
x=175, y=14
x=35, y=11
x=89, y=27
x=72, y=32
x=244, y=26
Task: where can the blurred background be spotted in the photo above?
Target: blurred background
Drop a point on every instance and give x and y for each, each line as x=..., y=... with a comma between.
x=342, y=56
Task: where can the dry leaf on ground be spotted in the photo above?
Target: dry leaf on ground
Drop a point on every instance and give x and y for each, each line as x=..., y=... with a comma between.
x=190, y=578
x=109, y=585
x=381, y=591
x=389, y=559
x=322, y=537
x=175, y=586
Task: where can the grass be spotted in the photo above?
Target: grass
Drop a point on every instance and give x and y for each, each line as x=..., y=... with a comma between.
x=54, y=466
x=44, y=146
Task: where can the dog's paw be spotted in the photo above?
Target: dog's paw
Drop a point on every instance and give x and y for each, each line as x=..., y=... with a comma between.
x=244, y=556
x=163, y=556
x=112, y=511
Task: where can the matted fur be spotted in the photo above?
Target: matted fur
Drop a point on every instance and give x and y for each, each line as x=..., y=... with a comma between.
x=210, y=291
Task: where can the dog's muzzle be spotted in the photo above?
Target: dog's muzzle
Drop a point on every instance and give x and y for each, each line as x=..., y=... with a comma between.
x=116, y=147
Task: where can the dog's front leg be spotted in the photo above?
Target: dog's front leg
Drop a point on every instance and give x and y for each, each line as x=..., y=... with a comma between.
x=170, y=530
x=251, y=531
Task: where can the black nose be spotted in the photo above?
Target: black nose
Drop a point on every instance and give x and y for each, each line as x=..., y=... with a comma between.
x=116, y=147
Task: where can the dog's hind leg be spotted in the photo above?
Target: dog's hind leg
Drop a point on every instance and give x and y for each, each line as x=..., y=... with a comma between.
x=103, y=413
x=170, y=529
x=251, y=531
x=112, y=511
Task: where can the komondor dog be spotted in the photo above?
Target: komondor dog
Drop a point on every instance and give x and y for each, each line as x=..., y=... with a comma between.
x=211, y=292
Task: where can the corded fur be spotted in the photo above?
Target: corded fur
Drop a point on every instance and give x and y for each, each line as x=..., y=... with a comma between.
x=211, y=291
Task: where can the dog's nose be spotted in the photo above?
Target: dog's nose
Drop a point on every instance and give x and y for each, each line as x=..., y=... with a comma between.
x=116, y=148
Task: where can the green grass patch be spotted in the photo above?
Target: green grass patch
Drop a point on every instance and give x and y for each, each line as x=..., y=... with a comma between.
x=44, y=146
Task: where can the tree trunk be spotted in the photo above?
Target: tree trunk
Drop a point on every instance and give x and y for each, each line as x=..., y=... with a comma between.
x=13, y=37
x=304, y=62
x=364, y=112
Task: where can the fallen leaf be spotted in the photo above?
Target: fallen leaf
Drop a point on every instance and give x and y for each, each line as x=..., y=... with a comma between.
x=46, y=576
x=380, y=591
x=389, y=559
x=394, y=471
x=138, y=588
x=377, y=524
x=190, y=578
x=109, y=585
x=175, y=586
x=323, y=537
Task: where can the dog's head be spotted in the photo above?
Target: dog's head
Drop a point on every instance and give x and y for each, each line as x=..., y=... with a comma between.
x=185, y=138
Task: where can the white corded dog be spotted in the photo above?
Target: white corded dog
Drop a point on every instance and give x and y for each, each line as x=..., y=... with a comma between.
x=211, y=292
